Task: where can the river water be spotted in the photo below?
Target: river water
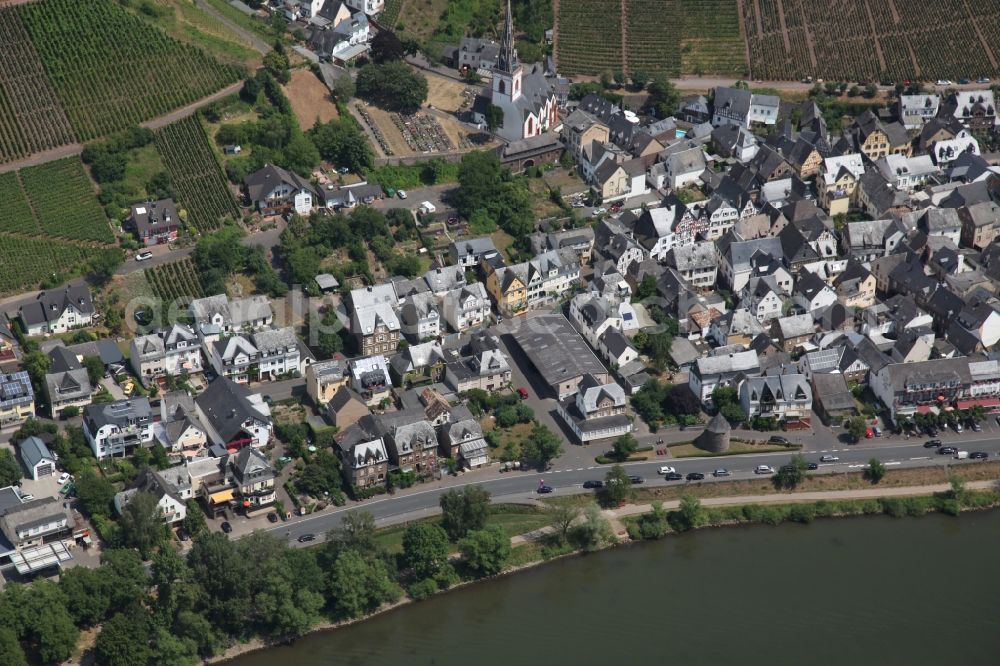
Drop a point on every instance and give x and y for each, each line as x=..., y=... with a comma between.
x=851, y=591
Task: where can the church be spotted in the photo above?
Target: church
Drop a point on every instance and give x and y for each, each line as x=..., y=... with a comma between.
x=526, y=97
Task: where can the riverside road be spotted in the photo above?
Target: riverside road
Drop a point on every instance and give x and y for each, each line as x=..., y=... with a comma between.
x=521, y=486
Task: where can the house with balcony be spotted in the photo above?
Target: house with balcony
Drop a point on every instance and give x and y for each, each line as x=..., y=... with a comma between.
x=234, y=357
x=915, y=110
x=171, y=489
x=27, y=525
x=252, y=478
x=276, y=191
x=279, y=354
x=413, y=447
x=155, y=222
x=975, y=109
x=598, y=411
x=933, y=386
x=370, y=379
x=837, y=180
x=233, y=415
x=468, y=252
x=483, y=365
x=463, y=440
x=17, y=399
x=539, y=282
x=419, y=317
x=781, y=397
x=466, y=307
x=67, y=383
x=364, y=461
x=117, y=428
x=169, y=352
x=324, y=379
x=179, y=429
x=217, y=315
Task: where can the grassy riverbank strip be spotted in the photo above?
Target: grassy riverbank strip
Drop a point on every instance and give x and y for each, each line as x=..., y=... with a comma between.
x=640, y=522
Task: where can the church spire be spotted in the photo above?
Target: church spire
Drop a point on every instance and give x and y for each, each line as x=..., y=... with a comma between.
x=507, y=59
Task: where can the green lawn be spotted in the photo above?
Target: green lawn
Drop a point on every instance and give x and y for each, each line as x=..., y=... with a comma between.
x=735, y=448
x=513, y=518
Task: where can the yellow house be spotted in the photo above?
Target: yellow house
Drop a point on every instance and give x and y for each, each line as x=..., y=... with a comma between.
x=611, y=180
x=837, y=182
x=18, y=403
x=581, y=129
x=324, y=379
x=507, y=289
x=877, y=140
x=855, y=286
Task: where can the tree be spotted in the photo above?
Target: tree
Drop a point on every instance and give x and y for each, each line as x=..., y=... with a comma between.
x=124, y=577
x=646, y=289
x=87, y=595
x=342, y=142
x=484, y=185
x=791, y=475
x=359, y=586
x=11, y=653
x=385, y=46
x=876, y=470
x=124, y=640
x=856, y=427
x=95, y=368
x=654, y=525
x=356, y=532
x=48, y=624
x=194, y=519
x=681, y=401
x=393, y=86
x=343, y=89
x=10, y=469
x=617, y=486
x=321, y=476
x=688, y=515
x=142, y=524
x=563, y=517
x=593, y=531
x=733, y=413
x=486, y=551
x=277, y=64
x=494, y=117
x=663, y=96
x=625, y=446
x=542, y=445
x=639, y=79
x=464, y=510
x=95, y=493
x=425, y=549
x=871, y=90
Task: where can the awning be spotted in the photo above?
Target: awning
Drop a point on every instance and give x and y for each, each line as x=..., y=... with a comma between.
x=41, y=557
x=982, y=402
x=221, y=496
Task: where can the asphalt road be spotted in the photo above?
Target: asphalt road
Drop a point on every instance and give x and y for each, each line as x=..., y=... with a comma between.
x=521, y=486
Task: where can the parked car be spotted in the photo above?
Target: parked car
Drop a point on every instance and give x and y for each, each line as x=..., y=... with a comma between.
x=777, y=439
x=812, y=465
x=593, y=484
x=964, y=81
x=673, y=476
x=522, y=393
x=828, y=458
x=869, y=433
x=143, y=256
x=544, y=490
x=979, y=455
x=27, y=497
x=932, y=443
x=947, y=450
x=763, y=469
x=722, y=471
x=961, y=455
x=932, y=431
x=401, y=194
x=694, y=476
x=984, y=80
x=877, y=431
x=272, y=517
x=958, y=427
x=665, y=469
x=944, y=82
x=63, y=478
x=636, y=479
x=307, y=537
x=976, y=427
x=226, y=527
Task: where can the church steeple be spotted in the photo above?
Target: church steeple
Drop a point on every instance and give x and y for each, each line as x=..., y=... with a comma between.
x=507, y=59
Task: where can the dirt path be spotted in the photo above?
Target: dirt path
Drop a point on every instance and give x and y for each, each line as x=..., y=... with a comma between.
x=784, y=27
x=810, y=43
x=186, y=111
x=878, y=46
x=624, y=16
x=256, y=43
x=49, y=155
x=743, y=35
x=913, y=57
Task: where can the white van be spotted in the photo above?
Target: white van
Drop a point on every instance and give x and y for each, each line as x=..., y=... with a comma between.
x=426, y=208
x=961, y=455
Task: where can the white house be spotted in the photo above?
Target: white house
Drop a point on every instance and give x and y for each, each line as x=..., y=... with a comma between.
x=466, y=307
x=232, y=357
x=58, y=311
x=116, y=428
x=907, y=174
x=370, y=7
x=947, y=151
x=278, y=353
x=811, y=293
x=37, y=458
x=419, y=316
x=171, y=489
x=169, y=352
x=782, y=397
x=685, y=168
x=598, y=411
x=915, y=110
x=711, y=372
x=276, y=191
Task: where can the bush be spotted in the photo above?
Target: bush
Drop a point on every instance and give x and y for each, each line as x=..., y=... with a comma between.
x=802, y=513
x=423, y=589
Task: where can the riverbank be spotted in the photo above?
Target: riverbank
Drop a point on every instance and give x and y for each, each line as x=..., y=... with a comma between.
x=634, y=524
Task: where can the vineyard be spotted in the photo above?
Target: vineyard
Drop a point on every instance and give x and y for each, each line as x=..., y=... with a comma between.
x=64, y=201
x=176, y=280
x=872, y=39
x=112, y=70
x=15, y=213
x=31, y=119
x=590, y=36
x=390, y=14
x=671, y=36
x=24, y=262
x=201, y=187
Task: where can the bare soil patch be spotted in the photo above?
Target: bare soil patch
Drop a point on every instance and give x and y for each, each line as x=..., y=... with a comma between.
x=310, y=99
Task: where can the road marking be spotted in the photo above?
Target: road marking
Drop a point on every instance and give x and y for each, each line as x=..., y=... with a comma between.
x=592, y=467
x=893, y=463
x=921, y=458
x=579, y=469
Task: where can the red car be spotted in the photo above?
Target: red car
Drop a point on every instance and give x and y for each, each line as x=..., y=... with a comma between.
x=523, y=392
x=869, y=434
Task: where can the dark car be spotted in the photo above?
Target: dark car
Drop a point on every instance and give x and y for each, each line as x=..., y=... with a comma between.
x=544, y=490
x=226, y=527
x=695, y=476
x=932, y=443
x=964, y=81
x=979, y=455
x=673, y=476
x=272, y=517
x=722, y=471
x=307, y=537
x=932, y=431
x=812, y=465
x=636, y=479
x=777, y=439
x=947, y=450
x=593, y=484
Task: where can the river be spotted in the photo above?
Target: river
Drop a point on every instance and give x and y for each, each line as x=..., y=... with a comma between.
x=850, y=591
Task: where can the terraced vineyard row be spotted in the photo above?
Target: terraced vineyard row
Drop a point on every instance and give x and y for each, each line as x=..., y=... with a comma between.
x=110, y=69
x=31, y=119
x=390, y=14
x=15, y=213
x=872, y=39
x=176, y=280
x=24, y=262
x=590, y=36
x=64, y=201
x=712, y=43
x=651, y=46
x=201, y=187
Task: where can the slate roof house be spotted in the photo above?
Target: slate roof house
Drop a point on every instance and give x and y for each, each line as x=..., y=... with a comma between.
x=36, y=457
x=786, y=397
x=276, y=191
x=115, y=428
x=155, y=222
x=463, y=440
x=234, y=415
x=17, y=399
x=67, y=383
x=374, y=320
x=598, y=411
x=58, y=311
